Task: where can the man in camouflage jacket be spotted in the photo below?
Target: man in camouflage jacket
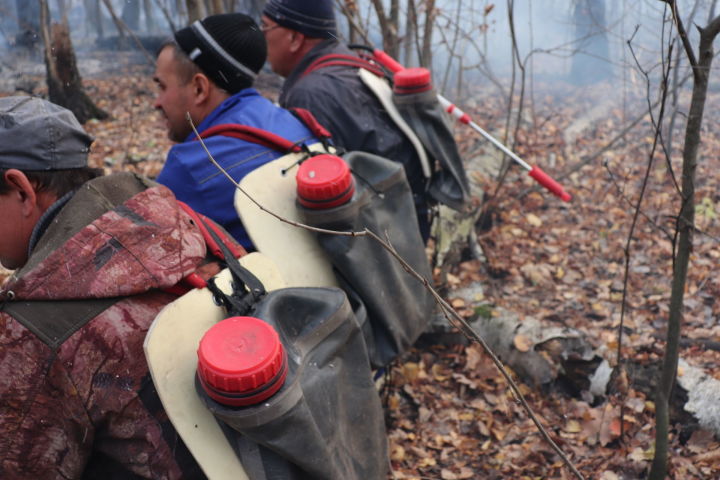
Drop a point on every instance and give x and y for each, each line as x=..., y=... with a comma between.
x=92, y=260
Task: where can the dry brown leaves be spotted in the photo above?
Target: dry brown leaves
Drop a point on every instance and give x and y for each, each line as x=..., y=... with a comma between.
x=450, y=414
x=565, y=263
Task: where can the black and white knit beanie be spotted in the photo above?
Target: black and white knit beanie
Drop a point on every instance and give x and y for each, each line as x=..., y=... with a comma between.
x=313, y=18
x=229, y=48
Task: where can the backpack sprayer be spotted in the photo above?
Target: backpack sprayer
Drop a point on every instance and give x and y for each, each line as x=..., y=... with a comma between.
x=534, y=171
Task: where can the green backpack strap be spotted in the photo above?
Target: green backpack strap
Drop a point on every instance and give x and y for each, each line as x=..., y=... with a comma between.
x=55, y=321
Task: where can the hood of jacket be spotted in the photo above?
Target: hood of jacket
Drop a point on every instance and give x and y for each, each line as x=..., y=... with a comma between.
x=119, y=235
x=329, y=46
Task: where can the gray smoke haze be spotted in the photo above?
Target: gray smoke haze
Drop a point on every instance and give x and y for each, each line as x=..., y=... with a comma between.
x=577, y=41
x=557, y=32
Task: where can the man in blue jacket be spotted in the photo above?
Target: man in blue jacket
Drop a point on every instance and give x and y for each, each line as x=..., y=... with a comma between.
x=208, y=71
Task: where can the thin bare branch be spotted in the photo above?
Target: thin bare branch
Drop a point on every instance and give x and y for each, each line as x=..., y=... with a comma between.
x=448, y=310
x=356, y=27
x=683, y=33
x=123, y=28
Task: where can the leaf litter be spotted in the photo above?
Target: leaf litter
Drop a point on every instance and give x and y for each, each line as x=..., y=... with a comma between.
x=450, y=414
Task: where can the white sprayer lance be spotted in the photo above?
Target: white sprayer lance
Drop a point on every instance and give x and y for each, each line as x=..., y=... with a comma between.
x=534, y=171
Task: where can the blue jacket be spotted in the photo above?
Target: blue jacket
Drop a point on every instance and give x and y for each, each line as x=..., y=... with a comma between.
x=190, y=174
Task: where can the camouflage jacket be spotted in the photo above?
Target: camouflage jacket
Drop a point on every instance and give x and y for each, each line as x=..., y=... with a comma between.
x=77, y=400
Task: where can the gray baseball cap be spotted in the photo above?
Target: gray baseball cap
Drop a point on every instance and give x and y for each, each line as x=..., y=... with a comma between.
x=38, y=135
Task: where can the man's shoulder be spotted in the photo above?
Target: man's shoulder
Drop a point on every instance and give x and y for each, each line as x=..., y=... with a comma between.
x=340, y=78
x=326, y=89
x=241, y=106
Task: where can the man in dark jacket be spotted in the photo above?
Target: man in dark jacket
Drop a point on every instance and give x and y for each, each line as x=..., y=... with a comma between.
x=208, y=71
x=93, y=255
x=298, y=33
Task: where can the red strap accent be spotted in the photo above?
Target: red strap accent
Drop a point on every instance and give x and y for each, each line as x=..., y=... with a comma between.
x=194, y=280
x=387, y=61
x=337, y=59
x=253, y=135
x=201, y=220
x=178, y=290
x=188, y=283
x=311, y=122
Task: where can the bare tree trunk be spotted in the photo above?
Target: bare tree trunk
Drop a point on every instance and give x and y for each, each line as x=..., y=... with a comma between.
x=592, y=43
x=116, y=20
x=217, y=7
x=394, y=21
x=685, y=227
x=349, y=10
x=8, y=19
x=63, y=79
x=167, y=14
x=93, y=16
x=453, y=46
x=430, y=13
x=411, y=28
x=387, y=27
x=181, y=8
x=122, y=29
x=131, y=14
x=195, y=9
x=29, y=28
x=62, y=7
x=150, y=23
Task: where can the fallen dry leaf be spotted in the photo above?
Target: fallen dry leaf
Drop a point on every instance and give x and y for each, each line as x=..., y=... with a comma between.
x=397, y=453
x=708, y=457
x=534, y=220
x=522, y=343
x=446, y=474
x=573, y=426
x=538, y=274
x=457, y=303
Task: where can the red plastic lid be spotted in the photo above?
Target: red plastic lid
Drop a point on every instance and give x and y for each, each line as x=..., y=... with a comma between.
x=324, y=181
x=412, y=80
x=241, y=361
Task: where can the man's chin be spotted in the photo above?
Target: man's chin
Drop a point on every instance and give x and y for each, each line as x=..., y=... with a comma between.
x=174, y=137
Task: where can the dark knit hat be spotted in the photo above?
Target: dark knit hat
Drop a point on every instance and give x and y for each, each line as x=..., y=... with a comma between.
x=313, y=18
x=38, y=135
x=228, y=48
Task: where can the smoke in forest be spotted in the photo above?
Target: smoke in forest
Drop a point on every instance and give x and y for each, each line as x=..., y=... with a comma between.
x=578, y=41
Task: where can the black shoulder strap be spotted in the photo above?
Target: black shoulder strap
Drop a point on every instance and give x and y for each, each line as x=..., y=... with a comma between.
x=247, y=288
x=55, y=321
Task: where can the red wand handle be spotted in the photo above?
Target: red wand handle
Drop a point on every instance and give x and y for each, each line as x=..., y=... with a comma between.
x=547, y=181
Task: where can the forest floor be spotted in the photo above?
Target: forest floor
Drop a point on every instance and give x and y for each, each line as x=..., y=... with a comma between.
x=450, y=413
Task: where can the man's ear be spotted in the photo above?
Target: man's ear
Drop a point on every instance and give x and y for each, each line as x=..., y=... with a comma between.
x=22, y=190
x=297, y=40
x=200, y=88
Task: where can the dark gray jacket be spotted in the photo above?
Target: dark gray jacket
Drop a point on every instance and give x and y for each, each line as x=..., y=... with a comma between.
x=350, y=111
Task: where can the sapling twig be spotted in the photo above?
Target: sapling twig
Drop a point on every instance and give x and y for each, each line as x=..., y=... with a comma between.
x=450, y=314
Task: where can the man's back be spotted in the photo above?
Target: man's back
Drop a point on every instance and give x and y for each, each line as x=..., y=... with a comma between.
x=78, y=398
x=350, y=111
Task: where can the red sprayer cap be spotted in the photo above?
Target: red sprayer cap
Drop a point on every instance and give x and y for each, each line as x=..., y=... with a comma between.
x=324, y=181
x=412, y=80
x=241, y=361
